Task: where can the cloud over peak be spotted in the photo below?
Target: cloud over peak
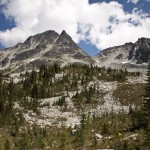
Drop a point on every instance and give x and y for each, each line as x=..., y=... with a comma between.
x=101, y=24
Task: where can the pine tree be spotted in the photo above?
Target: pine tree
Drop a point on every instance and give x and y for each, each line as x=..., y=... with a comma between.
x=7, y=145
x=63, y=141
x=146, y=106
x=81, y=134
x=11, y=95
x=1, y=96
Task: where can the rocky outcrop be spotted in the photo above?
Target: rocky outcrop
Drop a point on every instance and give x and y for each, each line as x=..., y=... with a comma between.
x=48, y=37
x=43, y=48
x=139, y=52
x=130, y=54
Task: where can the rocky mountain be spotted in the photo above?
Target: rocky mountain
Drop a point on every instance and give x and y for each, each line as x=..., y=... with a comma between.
x=129, y=55
x=65, y=107
x=50, y=47
x=43, y=48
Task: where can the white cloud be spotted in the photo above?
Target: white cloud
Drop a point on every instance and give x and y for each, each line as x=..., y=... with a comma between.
x=133, y=1
x=102, y=24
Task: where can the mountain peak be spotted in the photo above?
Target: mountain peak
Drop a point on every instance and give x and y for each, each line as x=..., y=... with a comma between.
x=143, y=40
x=129, y=54
x=65, y=35
x=64, y=38
x=47, y=37
x=44, y=49
x=48, y=33
x=63, y=32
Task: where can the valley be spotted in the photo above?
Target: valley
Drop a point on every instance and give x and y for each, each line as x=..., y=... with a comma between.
x=55, y=96
x=54, y=101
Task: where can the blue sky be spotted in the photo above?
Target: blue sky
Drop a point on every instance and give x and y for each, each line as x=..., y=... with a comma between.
x=128, y=7
x=16, y=25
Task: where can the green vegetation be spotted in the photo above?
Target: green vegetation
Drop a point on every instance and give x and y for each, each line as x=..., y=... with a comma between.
x=52, y=81
x=115, y=131
x=146, y=109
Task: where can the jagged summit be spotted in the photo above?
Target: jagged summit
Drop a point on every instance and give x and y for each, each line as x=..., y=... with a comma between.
x=64, y=32
x=129, y=54
x=47, y=37
x=49, y=47
x=43, y=48
x=66, y=40
x=65, y=35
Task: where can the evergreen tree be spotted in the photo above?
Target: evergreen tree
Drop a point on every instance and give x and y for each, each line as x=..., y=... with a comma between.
x=81, y=134
x=63, y=141
x=11, y=95
x=146, y=106
x=7, y=145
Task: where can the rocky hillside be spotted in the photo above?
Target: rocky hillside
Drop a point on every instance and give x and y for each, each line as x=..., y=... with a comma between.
x=130, y=55
x=44, y=48
x=49, y=47
x=71, y=107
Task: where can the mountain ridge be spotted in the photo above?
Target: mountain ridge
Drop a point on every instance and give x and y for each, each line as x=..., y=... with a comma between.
x=43, y=49
x=127, y=55
x=49, y=47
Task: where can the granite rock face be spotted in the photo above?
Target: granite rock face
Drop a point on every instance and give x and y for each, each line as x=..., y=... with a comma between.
x=139, y=52
x=44, y=48
x=49, y=47
x=129, y=54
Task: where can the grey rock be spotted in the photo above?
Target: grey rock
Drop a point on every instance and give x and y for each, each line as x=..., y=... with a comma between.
x=25, y=55
x=48, y=37
x=43, y=49
x=140, y=51
x=4, y=62
x=129, y=55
